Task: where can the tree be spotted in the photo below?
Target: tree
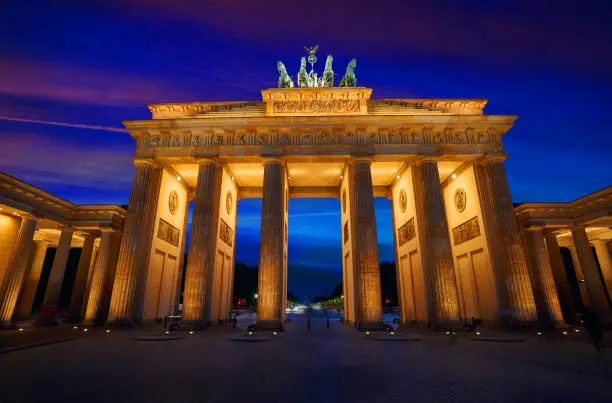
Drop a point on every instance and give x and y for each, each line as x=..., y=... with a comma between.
x=337, y=292
x=292, y=297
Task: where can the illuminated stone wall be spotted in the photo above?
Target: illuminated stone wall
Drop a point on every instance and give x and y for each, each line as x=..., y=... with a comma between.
x=166, y=249
x=475, y=281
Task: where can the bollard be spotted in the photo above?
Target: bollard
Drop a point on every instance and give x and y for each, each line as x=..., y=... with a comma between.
x=165, y=322
x=328, y=322
x=309, y=323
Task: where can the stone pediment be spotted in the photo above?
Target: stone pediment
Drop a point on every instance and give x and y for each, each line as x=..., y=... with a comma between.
x=318, y=101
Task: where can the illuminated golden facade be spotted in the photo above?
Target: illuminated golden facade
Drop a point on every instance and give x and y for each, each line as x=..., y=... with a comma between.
x=460, y=252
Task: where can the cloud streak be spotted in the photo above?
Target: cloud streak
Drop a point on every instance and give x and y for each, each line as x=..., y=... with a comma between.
x=64, y=124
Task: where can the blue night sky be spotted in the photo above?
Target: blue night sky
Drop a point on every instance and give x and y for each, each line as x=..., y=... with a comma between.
x=90, y=64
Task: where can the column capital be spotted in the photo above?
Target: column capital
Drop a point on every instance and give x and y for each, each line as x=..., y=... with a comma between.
x=269, y=160
x=492, y=158
x=355, y=159
x=108, y=230
x=145, y=161
x=600, y=241
x=428, y=157
x=207, y=160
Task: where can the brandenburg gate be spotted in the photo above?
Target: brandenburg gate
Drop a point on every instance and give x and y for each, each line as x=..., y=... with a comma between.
x=440, y=161
x=460, y=253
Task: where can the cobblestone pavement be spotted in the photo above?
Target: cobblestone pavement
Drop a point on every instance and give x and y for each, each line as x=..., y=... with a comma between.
x=319, y=365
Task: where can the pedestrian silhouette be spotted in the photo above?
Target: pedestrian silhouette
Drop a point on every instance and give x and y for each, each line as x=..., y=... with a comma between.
x=593, y=327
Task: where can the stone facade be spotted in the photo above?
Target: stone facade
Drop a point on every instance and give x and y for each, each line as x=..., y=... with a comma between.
x=461, y=253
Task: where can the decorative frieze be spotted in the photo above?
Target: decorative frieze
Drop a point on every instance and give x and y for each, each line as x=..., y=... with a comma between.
x=406, y=232
x=225, y=232
x=466, y=231
x=162, y=139
x=168, y=232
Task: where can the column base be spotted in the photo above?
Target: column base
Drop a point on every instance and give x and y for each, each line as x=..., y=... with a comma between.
x=371, y=326
x=194, y=324
x=7, y=325
x=267, y=325
x=121, y=322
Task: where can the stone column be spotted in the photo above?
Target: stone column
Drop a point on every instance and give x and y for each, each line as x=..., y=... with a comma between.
x=201, y=261
x=365, y=244
x=10, y=284
x=102, y=280
x=80, y=281
x=131, y=273
x=271, y=255
x=582, y=287
x=605, y=262
x=598, y=302
x=434, y=244
x=564, y=291
x=24, y=306
x=50, y=307
x=543, y=283
x=512, y=283
x=92, y=265
x=179, y=282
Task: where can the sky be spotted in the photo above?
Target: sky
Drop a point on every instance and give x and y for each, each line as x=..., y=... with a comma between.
x=71, y=71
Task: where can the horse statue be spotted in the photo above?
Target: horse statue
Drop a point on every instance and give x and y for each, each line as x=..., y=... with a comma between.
x=303, y=78
x=328, y=74
x=284, y=81
x=349, y=79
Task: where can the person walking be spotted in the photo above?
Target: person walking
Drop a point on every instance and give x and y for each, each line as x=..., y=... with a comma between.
x=593, y=327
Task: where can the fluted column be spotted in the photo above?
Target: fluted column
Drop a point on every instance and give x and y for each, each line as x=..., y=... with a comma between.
x=50, y=304
x=134, y=253
x=365, y=244
x=80, y=281
x=101, y=281
x=598, y=302
x=602, y=248
x=582, y=286
x=26, y=300
x=201, y=261
x=90, y=272
x=179, y=282
x=10, y=284
x=434, y=243
x=564, y=291
x=512, y=283
x=271, y=255
x=543, y=283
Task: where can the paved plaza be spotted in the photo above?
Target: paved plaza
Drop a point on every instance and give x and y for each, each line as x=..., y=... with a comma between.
x=316, y=365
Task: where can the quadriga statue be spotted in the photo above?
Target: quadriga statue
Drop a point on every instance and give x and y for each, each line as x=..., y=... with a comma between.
x=328, y=73
x=284, y=81
x=303, y=78
x=349, y=79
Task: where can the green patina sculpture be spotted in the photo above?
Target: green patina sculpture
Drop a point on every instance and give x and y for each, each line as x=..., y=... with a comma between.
x=349, y=79
x=328, y=73
x=284, y=81
x=303, y=78
x=307, y=79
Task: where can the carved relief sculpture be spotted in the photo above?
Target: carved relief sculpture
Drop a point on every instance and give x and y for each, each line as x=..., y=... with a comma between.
x=466, y=231
x=173, y=202
x=168, y=232
x=460, y=199
x=403, y=200
x=406, y=232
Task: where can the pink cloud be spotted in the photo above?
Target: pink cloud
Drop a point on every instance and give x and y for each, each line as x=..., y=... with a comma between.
x=46, y=80
x=44, y=160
